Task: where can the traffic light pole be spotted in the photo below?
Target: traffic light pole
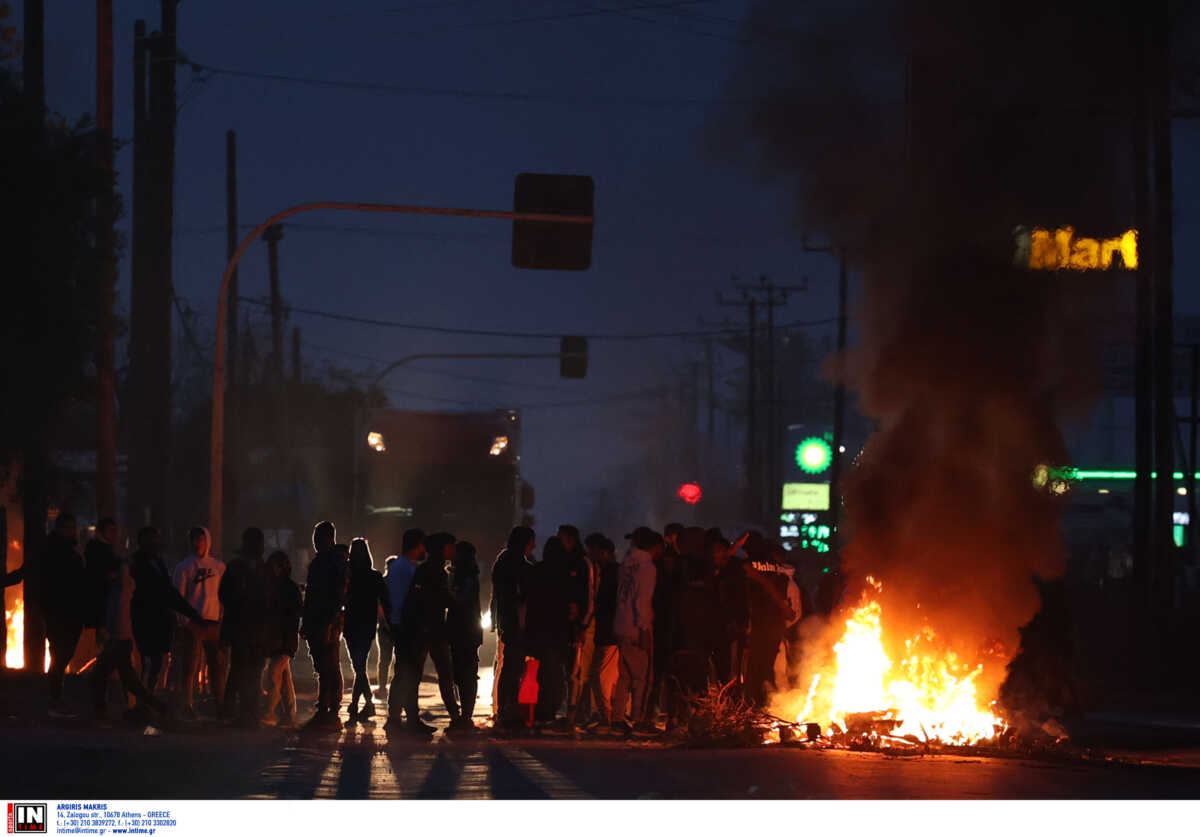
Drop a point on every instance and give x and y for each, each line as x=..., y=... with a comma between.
x=216, y=468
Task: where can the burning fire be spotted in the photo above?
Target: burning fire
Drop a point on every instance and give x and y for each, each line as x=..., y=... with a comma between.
x=14, y=622
x=930, y=693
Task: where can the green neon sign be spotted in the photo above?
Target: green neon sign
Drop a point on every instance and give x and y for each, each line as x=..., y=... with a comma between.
x=814, y=455
x=1122, y=475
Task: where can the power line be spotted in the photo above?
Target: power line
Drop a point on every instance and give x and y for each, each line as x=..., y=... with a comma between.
x=391, y=232
x=465, y=93
x=530, y=335
x=327, y=350
x=589, y=10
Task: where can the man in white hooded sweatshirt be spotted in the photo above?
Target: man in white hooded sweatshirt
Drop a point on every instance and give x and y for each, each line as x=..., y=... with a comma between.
x=198, y=579
x=633, y=626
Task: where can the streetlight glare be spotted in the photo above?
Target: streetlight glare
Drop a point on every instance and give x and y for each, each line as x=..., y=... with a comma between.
x=498, y=445
x=375, y=441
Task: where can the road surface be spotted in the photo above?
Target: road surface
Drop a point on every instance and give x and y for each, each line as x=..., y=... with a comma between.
x=74, y=760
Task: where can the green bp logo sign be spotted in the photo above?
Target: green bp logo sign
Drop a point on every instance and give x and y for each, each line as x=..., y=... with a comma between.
x=814, y=455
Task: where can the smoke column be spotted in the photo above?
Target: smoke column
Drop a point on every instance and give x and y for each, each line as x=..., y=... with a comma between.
x=918, y=135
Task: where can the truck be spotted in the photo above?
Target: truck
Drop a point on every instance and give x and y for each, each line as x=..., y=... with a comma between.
x=458, y=472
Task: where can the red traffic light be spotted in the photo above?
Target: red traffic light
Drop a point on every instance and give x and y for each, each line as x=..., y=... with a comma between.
x=690, y=493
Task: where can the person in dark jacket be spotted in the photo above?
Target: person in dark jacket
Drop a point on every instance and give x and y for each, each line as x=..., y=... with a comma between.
x=64, y=600
x=603, y=672
x=581, y=597
x=367, y=602
x=510, y=580
x=324, y=612
x=767, y=580
x=100, y=564
x=241, y=595
x=281, y=636
x=687, y=669
x=732, y=614
x=465, y=629
x=424, y=626
x=548, y=626
x=667, y=590
x=387, y=647
x=154, y=605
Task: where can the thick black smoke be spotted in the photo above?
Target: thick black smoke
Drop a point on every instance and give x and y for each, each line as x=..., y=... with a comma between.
x=918, y=135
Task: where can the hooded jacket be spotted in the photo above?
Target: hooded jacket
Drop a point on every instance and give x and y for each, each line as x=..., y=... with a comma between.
x=198, y=580
x=635, y=595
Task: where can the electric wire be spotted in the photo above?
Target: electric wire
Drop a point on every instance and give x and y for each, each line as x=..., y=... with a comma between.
x=534, y=335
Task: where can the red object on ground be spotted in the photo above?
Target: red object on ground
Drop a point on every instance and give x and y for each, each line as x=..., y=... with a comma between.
x=529, y=683
x=690, y=493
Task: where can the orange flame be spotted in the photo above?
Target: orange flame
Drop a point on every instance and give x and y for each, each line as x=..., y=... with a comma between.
x=930, y=693
x=14, y=622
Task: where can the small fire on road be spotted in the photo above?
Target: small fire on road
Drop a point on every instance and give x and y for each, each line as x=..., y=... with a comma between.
x=929, y=694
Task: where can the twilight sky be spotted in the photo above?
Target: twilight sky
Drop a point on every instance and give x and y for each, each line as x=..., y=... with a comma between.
x=618, y=92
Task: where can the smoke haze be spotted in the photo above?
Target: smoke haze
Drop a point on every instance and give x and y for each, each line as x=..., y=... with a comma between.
x=917, y=136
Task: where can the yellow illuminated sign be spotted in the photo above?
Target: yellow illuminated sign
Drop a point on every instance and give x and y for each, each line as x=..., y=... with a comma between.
x=805, y=496
x=1060, y=249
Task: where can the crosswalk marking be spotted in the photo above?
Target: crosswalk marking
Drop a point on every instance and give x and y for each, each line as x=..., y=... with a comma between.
x=548, y=780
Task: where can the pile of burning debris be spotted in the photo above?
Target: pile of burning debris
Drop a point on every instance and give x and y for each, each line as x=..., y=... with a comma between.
x=924, y=700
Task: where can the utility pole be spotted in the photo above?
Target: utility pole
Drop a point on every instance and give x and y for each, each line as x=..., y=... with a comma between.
x=272, y=237
x=1164, y=346
x=297, y=369
x=1144, y=341
x=106, y=423
x=1190, y=478
x=753, y=479
x=34, y=458
x=231, y=477
x=150, y=304
x=278, y=381
x=839, y=414
x=772, y=296
x=710, y=362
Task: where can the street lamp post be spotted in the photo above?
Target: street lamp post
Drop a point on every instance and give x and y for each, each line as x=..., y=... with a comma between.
x=217, y=440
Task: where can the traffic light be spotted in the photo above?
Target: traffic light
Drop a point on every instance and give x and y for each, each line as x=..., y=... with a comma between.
x=573, y=357
x=547, y=245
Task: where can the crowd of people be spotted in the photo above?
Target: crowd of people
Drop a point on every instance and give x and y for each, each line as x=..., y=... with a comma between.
x=614, y=642
x=589, y=638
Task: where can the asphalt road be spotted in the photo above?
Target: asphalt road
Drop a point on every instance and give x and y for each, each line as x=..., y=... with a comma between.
x=362, y=762
x=76, y=760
